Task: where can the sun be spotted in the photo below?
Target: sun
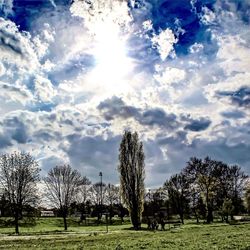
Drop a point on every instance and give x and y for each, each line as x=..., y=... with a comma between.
x=113, y=66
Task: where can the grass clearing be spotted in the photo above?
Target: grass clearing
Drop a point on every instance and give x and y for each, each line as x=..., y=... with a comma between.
x=48, y=234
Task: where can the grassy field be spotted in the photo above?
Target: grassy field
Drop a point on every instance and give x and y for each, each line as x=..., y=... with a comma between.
x=48, y=234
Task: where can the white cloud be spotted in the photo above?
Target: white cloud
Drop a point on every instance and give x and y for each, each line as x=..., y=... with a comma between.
x=13, y=98
x=196, y=48
x=94, y=12
x=2, y=69
x=234, y=53
x=147, y=25
x=164, y=42
x=44, y=89
x=170, y=75
x=6, y=6
x=208, y=16
x=16, y=47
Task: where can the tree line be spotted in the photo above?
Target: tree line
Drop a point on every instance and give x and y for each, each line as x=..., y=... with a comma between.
x=204, y=187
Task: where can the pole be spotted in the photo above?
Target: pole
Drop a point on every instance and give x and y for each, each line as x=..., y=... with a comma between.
x=100, y=174
x=107, y=227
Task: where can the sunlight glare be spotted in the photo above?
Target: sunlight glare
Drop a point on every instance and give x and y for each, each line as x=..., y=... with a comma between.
x=112, y=63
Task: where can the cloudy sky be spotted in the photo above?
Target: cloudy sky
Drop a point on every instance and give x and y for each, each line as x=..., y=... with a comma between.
x=75, y=74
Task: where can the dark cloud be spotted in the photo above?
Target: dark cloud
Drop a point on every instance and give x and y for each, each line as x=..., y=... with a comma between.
x=179, y=138
x=94, y=154
x=233, y=114
x=158, y=117
x=115, y=107
x=10, y=42
x=15, y=129
x=4, y=141
x=198, y=125
x=178, y=154
x=46, y=136
x=241, y=97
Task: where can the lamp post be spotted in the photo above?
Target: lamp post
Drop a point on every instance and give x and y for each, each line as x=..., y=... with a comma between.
x=100, y=174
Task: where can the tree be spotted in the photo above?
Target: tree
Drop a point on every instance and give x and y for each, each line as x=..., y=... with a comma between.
x=132, y=175
x=196, y=202
x=227, y=208
x=177, y=188
x=237, y=180
x=97, y=192
x=19, y=175
x=202, y=173
x=112, y=195
x=247, y=197
x=83, y=196
x=62, y=185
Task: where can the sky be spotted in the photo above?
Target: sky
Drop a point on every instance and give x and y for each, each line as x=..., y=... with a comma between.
x=75, y=74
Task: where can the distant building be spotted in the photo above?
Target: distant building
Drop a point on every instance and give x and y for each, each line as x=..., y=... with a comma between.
x=47, y=214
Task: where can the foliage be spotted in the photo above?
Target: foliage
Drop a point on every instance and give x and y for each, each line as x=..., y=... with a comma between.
x=247, y=198
x=215, y=181
x=132, y=175
x=177, y=189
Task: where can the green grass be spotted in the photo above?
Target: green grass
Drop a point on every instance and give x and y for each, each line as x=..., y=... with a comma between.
x=48, y=234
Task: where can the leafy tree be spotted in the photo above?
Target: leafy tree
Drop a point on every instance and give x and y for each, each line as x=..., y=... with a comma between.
x=216, y=181
x=202, y=174
x=19, y=175
x=62, y=186
x=196, y=202
x=237, y=180
x=177, y=188
x=247, y=198
x=227, y=208
x=132, y=175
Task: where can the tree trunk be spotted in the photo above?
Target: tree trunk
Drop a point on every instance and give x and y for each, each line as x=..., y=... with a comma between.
x=65, y=222
x=196, y=216
x=136, y=222
x=16, y=221
x=181, y=212
x=182, y=218
x=209, y=215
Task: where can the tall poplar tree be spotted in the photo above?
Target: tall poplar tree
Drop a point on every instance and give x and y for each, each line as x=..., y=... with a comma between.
x=132, y=175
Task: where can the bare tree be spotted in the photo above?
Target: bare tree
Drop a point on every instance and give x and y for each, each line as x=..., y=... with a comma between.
x=97, y=193
x=132, y=176
x=112, y=197
x=19, y=175
x=84, y=196
x=62, y=185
